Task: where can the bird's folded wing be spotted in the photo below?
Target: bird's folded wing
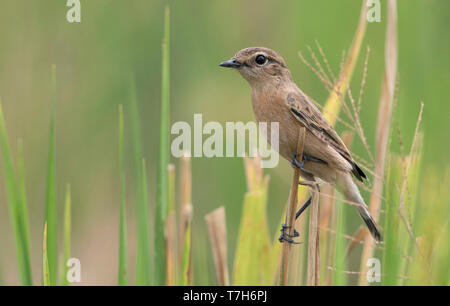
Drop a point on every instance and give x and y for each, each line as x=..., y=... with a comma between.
x=308, y=114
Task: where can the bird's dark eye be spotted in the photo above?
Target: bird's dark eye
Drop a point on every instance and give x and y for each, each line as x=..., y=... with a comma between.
x=261, y=60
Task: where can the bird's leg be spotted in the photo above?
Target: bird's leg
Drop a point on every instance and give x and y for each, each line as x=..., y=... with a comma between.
x=286, y=237
x=304, y=206
x=308, y=202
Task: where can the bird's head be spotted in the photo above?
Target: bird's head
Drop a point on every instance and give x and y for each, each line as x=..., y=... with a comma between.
x=259, y=65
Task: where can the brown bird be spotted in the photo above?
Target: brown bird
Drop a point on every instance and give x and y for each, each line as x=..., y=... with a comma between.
x=276, y=98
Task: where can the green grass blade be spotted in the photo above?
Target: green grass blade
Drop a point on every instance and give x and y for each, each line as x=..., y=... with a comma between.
x=340, y=277
x=45, y=267
x=253, y=257
x=143, y=247
x=17, y=209
x=391, y=258
x=161, y=209
x=66, y=235
x=50, y=205
x=23, y=208
x=123, y=266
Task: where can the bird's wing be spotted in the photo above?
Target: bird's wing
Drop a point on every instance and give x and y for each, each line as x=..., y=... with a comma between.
x=308, y=114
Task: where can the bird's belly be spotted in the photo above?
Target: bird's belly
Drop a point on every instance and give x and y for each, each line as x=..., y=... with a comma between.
x=286, y=144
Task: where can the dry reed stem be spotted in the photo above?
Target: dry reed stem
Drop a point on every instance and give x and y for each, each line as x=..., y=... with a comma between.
x=327, y=220
x=340, y=87
x=185, y=200
x=253, y=172
x=383, y=126
x=218, y=238
x=313, y=273
x=290, y=214
x=185, y=213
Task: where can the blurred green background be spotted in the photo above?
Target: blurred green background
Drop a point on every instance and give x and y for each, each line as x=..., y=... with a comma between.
x=117, y=41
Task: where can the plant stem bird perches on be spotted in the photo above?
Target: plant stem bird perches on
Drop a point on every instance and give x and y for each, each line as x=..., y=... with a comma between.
x=313, y=239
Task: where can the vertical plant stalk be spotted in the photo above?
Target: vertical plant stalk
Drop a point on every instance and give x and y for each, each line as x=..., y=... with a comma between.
x=334, y=101
x=17, y=208
x=143, y=262
x=185, y=215
x=22, y=213
x=292, y=206
x=162, y=194
x=171, y=232
x=50, y=207
x=252, y=260
x=187, y=278
x=383, y=126
x=45, y=268
x=313, y=272
x=66, y=236
x=218, y=238
x=339, y=277
x=123, y=265
x=185, y=197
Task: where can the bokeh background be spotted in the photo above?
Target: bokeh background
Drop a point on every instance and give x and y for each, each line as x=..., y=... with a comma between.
x=118, y=41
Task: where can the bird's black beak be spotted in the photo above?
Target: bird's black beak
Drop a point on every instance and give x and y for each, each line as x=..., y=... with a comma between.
x=232, y=63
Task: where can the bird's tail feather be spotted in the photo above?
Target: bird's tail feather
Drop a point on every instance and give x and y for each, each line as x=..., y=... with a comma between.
x=371, y=224
x=347, y=187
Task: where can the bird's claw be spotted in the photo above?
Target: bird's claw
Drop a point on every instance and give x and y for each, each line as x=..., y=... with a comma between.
x=298, y=164
x=288, y=238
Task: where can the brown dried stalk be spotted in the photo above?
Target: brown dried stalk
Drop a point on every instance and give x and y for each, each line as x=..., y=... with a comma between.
x=218, y=238
x=383, y=126
x=185, y=199
x=292, y=206
x=185, y=217
x=313, y=273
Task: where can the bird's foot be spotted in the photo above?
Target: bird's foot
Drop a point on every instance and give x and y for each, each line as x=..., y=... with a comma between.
x=305, y=157
x=288, y=238
x=296, y=163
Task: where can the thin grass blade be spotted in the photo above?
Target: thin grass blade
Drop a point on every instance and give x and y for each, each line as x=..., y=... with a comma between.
x=66, y=235
x=17, y=208
x=161, y=209
x=50, y=203
x=123, y=258
x=45, y=266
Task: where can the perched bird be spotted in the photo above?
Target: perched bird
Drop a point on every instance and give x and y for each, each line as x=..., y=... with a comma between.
x=276, y=98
